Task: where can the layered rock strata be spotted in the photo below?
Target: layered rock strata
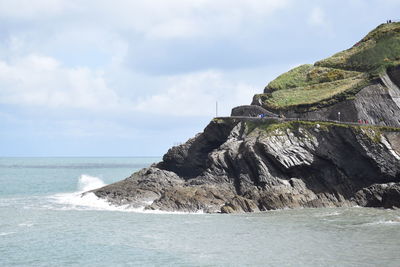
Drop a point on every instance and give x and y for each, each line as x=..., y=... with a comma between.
x=246, y=165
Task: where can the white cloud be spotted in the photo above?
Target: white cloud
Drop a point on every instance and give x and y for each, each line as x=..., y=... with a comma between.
x=37, y=9
x=152, y=18
x=317, y=17
x=37, y=80
x=204, y=18
x=195, y=94
x=43, y=82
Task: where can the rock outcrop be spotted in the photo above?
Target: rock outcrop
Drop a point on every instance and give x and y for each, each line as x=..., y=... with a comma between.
x=246, y=165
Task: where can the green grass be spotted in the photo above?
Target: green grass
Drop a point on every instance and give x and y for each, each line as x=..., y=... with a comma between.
x=318, y=93
x=374, y=59
x=373, y=54
x=293, y=78
x=307, y=74
x=338, y=77
x=271, y=126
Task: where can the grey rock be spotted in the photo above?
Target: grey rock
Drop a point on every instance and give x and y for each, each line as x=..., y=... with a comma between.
x=379, y=195
x=251, y=111
x=236, y=165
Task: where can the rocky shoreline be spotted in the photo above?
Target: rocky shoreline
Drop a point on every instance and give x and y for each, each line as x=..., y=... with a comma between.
x=239, y=165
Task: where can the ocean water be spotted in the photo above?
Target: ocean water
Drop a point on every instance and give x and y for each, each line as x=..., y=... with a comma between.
x=45, y=222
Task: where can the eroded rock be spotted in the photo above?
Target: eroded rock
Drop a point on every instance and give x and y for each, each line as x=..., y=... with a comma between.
x=237, y=165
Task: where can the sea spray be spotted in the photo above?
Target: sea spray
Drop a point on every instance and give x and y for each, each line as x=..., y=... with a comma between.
x=79, y=201
x=84, y=200
x=87, y=183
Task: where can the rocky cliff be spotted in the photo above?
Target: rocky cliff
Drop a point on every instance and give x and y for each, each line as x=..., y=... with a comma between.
x=248, y=165
x=245, y=164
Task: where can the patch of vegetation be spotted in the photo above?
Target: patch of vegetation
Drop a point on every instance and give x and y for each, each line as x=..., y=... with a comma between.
x=218, y=120
x=265, y=125
x=373, y=54
x=317, y=94
x=305, y=75
x=293, y=78
x=374, y=133
x=269, y=126
x=384, y=54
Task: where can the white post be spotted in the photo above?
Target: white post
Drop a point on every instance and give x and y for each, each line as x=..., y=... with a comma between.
x=338, y=115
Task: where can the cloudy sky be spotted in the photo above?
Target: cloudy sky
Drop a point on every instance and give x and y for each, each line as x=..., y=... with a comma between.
x=134, y=77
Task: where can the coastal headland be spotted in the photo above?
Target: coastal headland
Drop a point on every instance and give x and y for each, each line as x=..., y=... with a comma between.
x=320, y=135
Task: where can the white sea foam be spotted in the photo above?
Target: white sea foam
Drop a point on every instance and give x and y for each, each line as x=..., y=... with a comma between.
x=79, y=201
x=6, y=233
x=385, y=222
x=328, y=214
x=27, y=224
x=87, y=183
x=89, y=201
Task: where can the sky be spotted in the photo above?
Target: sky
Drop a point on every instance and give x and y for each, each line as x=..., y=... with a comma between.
x=133, y=78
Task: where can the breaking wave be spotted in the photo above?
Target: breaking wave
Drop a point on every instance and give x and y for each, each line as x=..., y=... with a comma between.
x=87, y=183
x=80, y=201
x=89, y=201
x=393, y=221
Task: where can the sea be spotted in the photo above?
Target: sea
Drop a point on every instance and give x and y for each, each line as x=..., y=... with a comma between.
x=44, y=221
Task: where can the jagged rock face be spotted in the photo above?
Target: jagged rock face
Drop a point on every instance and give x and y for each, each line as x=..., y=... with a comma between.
x=236, y=165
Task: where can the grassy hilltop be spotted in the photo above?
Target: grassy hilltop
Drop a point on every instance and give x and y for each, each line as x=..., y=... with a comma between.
x=338, y=77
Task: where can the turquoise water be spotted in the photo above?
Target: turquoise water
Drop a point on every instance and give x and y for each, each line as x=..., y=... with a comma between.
x=45, y=222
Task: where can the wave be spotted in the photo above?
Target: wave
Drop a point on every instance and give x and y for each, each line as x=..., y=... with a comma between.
x=89, y=201
x=79, y=201
x=394, y=221
x=329, y=214
x=87, y=183
x=6, y=233
x=27, y=224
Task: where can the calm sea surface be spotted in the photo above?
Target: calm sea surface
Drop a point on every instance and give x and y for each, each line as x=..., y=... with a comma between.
x=45, y=222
